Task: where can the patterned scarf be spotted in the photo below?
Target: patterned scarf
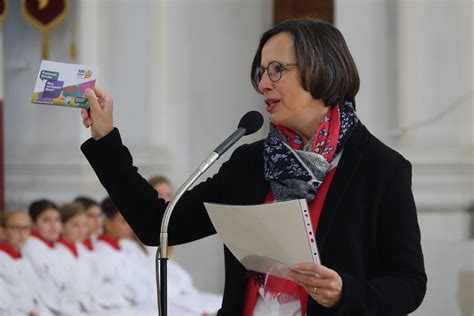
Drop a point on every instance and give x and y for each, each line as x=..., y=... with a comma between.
x=296, y=171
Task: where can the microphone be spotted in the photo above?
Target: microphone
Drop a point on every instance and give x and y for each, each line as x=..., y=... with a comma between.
x=249, y=123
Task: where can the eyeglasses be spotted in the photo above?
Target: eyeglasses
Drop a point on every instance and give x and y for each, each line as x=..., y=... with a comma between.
x=19, y=228
x=274, y=71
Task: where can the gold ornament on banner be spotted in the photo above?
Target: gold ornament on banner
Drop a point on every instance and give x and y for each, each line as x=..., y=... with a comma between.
x=3, y=10
x=73, y=46
x=44, y=15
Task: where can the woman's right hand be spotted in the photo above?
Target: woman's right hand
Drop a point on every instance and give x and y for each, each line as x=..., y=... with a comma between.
x=99, y=115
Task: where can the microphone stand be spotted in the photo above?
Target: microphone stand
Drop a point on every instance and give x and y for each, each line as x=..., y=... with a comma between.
x=162, y=251
x=249, y=123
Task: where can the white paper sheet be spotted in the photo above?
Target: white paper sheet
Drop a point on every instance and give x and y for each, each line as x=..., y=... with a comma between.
x=267, y=238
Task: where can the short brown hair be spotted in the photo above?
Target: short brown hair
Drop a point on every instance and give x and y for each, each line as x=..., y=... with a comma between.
x=6, y=216
x=70, y=210
x=39, y=206
x=326, y=66
x=158, y=180
x=109, y=208
x=86, y=202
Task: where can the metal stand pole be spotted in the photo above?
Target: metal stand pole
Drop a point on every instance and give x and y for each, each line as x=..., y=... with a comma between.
x=162, y=251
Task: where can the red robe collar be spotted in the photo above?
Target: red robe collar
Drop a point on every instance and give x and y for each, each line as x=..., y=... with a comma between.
x=88, y=244
x=70, y=246
x=50, y=244
x=10, y=251
x=111, y=241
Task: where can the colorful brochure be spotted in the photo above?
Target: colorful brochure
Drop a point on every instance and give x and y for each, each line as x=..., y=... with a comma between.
x=64, y=84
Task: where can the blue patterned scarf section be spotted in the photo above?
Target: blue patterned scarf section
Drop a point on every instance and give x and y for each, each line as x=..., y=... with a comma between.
x=297, y=173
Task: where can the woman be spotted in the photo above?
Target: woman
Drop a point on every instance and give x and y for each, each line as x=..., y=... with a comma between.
x=358, y=189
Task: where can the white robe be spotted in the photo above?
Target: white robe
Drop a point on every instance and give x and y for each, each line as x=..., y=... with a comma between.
x=182, y=294
x=141, y=270
x=20, y=289
x=54, y=273
x=80, y=279
x=100, y=286
x=117, y=271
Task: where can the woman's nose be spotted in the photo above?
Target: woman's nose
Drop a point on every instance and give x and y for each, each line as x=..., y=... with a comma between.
x=265, y=84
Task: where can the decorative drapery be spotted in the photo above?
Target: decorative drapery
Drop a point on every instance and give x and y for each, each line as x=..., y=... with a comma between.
x=44, y=15
x=3, y=9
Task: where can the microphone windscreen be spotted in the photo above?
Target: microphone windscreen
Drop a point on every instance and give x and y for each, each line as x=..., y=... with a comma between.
x=252, y=121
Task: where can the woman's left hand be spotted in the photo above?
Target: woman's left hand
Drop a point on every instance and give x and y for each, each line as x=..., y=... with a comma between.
x=322, y=284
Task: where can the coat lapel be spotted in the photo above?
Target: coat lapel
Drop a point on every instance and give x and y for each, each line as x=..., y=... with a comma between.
x=260, y=187
x=253, y=188
x=344, y=175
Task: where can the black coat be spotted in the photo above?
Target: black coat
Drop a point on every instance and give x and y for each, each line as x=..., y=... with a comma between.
x=368, y=230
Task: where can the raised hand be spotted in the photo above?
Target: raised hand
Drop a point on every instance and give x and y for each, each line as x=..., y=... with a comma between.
x=99, y=115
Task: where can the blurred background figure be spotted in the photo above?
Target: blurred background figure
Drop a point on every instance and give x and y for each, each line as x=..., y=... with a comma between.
x=47, y=225
x=165, y=190
x=163, y=186
x=40, y=249
x=115, y=265
x=75, y=230
x=20, y=289
x=95, y=219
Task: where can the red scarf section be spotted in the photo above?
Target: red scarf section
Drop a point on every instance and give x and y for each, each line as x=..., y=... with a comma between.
x=275, y=284
x=324, y=143
x=50, y=244
x=70, y=246
x=326, y=137
x=10, y=251
x=112, y=242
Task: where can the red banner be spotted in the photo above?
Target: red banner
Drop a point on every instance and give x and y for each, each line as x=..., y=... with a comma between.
x=3, y=9
x=44, y=15
x=2, y=176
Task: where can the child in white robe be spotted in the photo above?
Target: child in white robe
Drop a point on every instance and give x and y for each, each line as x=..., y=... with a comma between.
x=116, y=264
x=40, y=250
x=89, y=289
x=20, y=290
x=105, y=292
x=83, y=283
x=95, y=220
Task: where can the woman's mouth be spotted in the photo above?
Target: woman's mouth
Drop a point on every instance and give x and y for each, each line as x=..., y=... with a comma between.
x=271, y=104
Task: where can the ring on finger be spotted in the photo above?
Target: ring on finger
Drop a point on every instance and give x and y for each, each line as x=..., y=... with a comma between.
x=315, y=289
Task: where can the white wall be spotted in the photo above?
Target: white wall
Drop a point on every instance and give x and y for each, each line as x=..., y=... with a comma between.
x=41, y=142
x=415, y=61
x=179, y=75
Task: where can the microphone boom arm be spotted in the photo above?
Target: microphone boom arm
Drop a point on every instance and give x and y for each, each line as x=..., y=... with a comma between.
x=249, y=123
x=169, y=209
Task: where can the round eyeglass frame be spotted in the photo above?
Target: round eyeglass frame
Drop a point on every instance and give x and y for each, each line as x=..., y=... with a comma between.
x=260, y=71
